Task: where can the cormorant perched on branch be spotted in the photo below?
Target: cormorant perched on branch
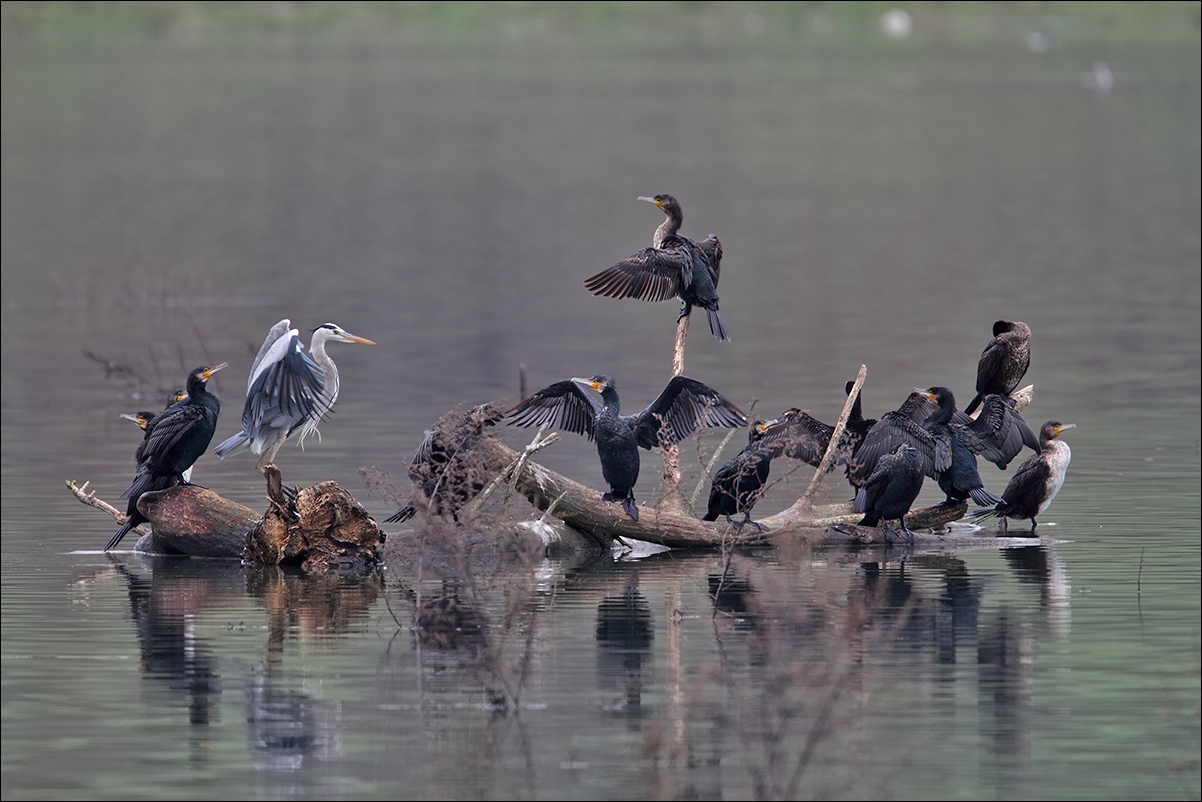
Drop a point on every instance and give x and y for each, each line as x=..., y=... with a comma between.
x=175, y=438
x=891, y=490
x=1037, y=481
x=674, y=266
x=803, y=437
x=948, y=447
x=739, y=483
x=1003, y=363
x=903, y=424
x=683, y=406
x=288, y=391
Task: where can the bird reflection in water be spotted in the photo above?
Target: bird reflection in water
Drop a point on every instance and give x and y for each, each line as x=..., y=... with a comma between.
x=624, y=634
x=165, y=604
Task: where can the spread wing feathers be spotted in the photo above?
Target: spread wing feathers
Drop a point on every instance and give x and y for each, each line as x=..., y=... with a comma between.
x=277, y=331
x=800, y=436
x=652, y=274
x=998, y=433
x=286, y=389
x=563, y=405
x=684, y=406
x=893, y=429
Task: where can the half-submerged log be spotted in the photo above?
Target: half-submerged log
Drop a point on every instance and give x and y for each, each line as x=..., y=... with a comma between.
x=194, y=521
x=317, y=528
x=581, y=507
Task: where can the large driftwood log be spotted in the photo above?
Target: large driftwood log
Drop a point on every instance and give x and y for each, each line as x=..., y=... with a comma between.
x=582, y=508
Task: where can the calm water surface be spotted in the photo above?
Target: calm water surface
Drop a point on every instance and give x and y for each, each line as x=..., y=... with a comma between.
x=164, y=204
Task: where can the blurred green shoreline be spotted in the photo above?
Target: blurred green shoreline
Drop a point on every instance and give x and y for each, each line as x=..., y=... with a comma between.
x=1117, y=21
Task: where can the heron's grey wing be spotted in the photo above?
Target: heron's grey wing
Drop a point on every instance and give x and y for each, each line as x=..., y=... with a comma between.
x=286, y=390
x=684, y=406
x=563, y=405
x=277, y=331
x=651, y=274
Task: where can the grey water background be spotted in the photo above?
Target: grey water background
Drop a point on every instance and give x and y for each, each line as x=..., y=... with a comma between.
x=881, y=203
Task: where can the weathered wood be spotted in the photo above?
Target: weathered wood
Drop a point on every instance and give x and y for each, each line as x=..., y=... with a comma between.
x=193, y=520
x=582, y=508
x=317, y=528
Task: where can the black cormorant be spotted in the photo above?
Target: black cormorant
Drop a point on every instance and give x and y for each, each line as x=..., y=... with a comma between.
x=903, y=424
x=1003, y=363
x=803, y=437
x=1037, y=481
x=674, y=266
x=288, y=391
x=175, y=438
x=739, y=483
x=890, y=490
x=943, y=441
x=683, y=406
x=954, y=464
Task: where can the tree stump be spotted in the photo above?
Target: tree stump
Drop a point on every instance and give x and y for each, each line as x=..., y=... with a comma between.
x=317, y=528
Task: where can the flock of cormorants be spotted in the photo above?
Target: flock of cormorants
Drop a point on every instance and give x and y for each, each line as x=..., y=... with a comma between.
x=290, y=391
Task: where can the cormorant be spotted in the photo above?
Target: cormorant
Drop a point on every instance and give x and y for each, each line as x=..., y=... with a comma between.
x=674, y=266
x=443, y=467
x=803, y=437
x=143, y=419
x=891, y=490
x=288, y=391
x=739, y=483
x=175, y=438
x=1037, y=481
x=903, y=424
x=1004, y=361
x=954, y=464
x=683, y=406
x=942, y=440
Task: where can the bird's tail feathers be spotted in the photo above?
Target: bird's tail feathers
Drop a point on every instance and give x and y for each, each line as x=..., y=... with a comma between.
x=122, y=532
x=138, y=486
x=717, y=328
x=401, y=515
x=860, y=502
x=229, y=444
x=983, y=498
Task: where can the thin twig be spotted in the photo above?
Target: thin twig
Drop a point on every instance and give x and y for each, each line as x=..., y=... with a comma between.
x=806, y=500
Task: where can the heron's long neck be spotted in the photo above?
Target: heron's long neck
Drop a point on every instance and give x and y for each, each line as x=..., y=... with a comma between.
x=317, y=350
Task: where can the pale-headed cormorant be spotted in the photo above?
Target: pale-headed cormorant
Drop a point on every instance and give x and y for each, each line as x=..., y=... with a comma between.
x=683, y=406
x=674, y=266
x=1003, y=363
x=891, y=490
x=175, y=438
x=1037, y=481
x=288, y=391
x=739, y=483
